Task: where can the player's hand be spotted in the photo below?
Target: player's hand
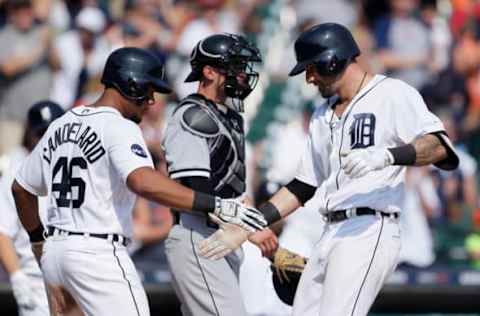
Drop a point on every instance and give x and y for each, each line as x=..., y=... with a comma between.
x=358, y=162
x=226, y=239
x=266, y=240
x=234, y=212
x=22, y=292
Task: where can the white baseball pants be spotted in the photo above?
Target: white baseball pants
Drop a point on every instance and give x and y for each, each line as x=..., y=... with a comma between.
x=348, y=267
x=98, y=273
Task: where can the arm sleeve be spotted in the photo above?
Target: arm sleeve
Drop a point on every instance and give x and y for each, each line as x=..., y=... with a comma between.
x=306, y=169
x=468, y=165
x=9, y=223
x=301, y=190
x=126, y=148
x=31, y=173
x=200, y=184
x=411, y=117
x=187, y=155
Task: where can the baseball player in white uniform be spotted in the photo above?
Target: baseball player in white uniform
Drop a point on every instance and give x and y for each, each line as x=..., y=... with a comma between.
x=90, y=163
x=15, y=253
x=360, y=141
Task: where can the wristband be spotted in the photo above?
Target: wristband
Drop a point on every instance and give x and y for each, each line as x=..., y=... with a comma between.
x=270, y=212
x=36, y=235
x=404, y=155
x=203, y=202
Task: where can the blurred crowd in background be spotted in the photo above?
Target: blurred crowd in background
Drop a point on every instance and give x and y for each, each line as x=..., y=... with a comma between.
x=53, y=49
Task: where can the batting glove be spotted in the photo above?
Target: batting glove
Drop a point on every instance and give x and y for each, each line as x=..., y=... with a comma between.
x=21, y=290
x=226, y=239
x=234, y=212
x=359, y=162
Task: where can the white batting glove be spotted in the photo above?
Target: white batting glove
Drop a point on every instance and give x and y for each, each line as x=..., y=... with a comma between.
x=226, y=239
x=22, y=291
x=359, y=162
x=234, y=212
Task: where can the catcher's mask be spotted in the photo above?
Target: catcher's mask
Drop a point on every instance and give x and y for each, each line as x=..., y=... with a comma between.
x=234, y=56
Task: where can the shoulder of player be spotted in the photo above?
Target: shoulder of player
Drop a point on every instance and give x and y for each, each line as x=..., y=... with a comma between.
x=197, y=120
x=395, y=87
x=117, y=125
x=124, y=125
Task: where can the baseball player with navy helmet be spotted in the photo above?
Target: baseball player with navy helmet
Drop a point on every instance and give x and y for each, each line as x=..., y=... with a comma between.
x=204, y=147
x=91, y=163
x=360, y=142
x=15, y=253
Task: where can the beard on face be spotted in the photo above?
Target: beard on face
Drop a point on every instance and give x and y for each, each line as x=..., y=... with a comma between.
x=326, y=90
x=326, y=86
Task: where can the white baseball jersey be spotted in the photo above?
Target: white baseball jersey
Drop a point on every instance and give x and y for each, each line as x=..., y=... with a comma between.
x=82, y=163
x=10, y=226
x=385, y=113
x=9, y=222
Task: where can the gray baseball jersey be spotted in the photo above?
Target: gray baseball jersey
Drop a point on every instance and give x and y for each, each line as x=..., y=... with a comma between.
x=204, y=139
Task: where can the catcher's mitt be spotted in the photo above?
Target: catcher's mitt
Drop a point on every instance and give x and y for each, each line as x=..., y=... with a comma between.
x=287, y=269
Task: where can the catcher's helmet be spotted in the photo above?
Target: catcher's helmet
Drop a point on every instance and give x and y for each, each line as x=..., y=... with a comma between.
x=328, y=46
x=232, y=53
x=41, y=114
x=131, y=71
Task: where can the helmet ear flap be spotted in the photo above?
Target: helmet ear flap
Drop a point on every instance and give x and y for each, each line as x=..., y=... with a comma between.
x=133, y=89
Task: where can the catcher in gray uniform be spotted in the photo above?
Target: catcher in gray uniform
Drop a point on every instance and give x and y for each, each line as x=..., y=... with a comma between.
x=204, y=146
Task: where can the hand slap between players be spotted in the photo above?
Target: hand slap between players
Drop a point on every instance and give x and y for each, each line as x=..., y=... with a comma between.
x=233, y=211
x=226, y=239
x=357, y=163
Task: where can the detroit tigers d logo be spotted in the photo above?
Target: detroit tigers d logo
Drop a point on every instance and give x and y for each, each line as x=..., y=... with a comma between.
x=362, y=130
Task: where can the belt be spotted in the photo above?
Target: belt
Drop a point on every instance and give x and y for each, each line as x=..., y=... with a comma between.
x=113, y=237
x=340, y=215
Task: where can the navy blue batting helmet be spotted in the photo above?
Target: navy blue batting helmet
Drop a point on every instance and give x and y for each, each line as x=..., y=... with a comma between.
x=330, y=47
x=42, y=113
x=132, y=71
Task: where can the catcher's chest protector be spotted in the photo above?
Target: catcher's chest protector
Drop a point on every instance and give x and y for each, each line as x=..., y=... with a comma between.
x=225, y=136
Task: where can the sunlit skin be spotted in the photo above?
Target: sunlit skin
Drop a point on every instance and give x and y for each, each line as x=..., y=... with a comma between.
x=136, y=111
x=213, y=84
x=327, y=85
